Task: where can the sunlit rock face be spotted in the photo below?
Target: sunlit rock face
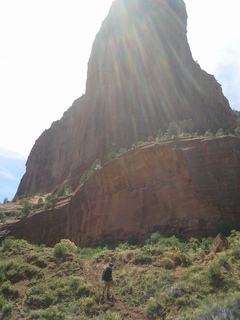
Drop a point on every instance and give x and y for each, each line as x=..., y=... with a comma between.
x=141, y=76
x=185, y=187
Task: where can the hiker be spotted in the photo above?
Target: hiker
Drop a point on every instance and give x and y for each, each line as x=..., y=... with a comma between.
x=107, y=278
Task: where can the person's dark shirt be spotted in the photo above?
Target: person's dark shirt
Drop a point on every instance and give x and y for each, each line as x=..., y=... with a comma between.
x=107, y=274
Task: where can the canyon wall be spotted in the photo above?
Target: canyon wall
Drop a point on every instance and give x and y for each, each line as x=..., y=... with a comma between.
x=188, y=187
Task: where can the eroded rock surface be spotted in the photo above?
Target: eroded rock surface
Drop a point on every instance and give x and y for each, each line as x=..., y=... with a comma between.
x=184, y=187
x=141, y=75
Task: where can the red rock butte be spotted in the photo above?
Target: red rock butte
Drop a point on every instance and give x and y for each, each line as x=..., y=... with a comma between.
x=141, y=76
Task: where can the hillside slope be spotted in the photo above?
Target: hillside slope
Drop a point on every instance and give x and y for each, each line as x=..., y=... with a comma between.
x=162, y=279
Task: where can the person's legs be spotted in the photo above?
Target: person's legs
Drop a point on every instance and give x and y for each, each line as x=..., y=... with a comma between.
x=108, y=290
x=106, y=287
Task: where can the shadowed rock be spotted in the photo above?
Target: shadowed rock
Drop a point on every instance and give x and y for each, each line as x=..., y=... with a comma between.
x=141, y=75
x=184, y=187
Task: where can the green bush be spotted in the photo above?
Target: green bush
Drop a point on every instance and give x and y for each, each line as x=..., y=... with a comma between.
x=27, y=206
x=222, y=310
x=6, y=244
x=206, y=243
x=5, y=307
x=41, y=297
x=109, y=315
x=85, y=176
x=152, y=309
x=60, y=249
x=8, y=290
x=15, y=271
x=2, y=217
x=53, y=313
x=87, y=304
x=90, y=253
x=215, y=274
x=154, y=238
x=173, y=242
x=167, y=263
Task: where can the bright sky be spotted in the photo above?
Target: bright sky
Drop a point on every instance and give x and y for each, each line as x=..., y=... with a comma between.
x=45, y=46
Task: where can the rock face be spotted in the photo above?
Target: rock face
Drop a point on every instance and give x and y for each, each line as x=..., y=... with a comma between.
x=141, y=76
x=182, y=187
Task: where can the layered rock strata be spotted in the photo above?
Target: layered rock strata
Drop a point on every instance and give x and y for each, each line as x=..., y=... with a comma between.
x=185, y=187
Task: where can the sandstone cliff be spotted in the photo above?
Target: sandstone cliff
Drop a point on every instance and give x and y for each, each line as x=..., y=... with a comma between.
x=141, y=76
x=183, y=187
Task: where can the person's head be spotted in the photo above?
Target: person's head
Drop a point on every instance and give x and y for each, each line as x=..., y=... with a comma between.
x=111, y=264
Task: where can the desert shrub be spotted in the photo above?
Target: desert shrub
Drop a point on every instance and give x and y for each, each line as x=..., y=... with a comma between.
x=40, y=297
x=15, y=271
x=173, y=292
x=5, y=307
x=122, y=151
x=96, y=165
x=50, y=201
x=167, y=263
x=69, y=244
x=2, y=217
x=6, y=244
x=63, y=190
x=152, y=309
x=53, y=313
x=84, y=291
x=223, y=310
x=220, y=133
x=208, y=134
x=236, y=252
x=141, y=258
x=27, y=206
x=5, y=200
x=237, y=130
x=109, y=315
x=87, y=304
x=206, y=243
x=154, y=238
x=85, y=176
x=8, y=290
x=18, y=244
x=173, y=130
x=60, y=250
x=215, y=273
x=173, y=242
x=179, y=258
x=186, y=126
x=112, y=155
x=91, y=253
x=74, y=283
x=122, y=246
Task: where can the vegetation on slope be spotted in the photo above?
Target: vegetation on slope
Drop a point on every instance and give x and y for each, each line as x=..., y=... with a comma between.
x=163, y=278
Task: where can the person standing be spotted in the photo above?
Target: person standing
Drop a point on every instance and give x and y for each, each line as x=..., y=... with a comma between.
x=107, y=278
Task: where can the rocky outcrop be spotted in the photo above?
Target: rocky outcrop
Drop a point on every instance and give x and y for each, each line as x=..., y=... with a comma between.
x=187, y=187
x=141, y=76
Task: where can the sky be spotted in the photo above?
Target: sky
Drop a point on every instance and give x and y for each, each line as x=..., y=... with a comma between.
x=44, y=50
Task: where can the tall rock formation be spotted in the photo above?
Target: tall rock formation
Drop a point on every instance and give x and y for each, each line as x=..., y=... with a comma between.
x=141, y=75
